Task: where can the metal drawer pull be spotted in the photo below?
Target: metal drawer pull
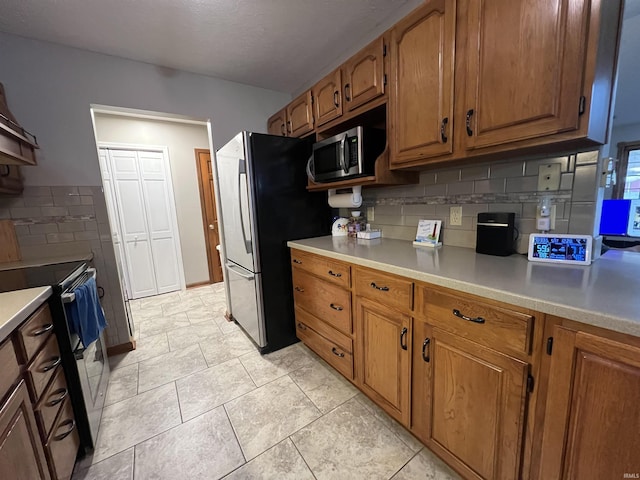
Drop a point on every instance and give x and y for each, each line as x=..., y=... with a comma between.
x=336, y=307
x=426, y=344
x=298, y=289
x=64, y=435
x=55, y=362
x=382, y=289
x=337, y=275
x=403, y=334
x=457, y=313
x=47, y=328
x=337, y=353
x=63, y=394
x=302, y=326
x=295, y=260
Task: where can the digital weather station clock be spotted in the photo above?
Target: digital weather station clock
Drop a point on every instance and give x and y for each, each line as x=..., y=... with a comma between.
x=559, y=248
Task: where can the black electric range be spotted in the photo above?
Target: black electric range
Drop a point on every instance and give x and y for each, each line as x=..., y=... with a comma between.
x=86, y=367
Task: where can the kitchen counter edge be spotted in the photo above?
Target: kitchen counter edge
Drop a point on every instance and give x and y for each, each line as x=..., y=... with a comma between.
x=18, y=305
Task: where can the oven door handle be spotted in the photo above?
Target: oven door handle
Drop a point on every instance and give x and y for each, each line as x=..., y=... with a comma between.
x=343, y=154
x=70, y=297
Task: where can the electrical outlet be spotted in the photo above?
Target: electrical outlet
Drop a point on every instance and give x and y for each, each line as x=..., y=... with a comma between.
x=455, y=216
x=370, y=214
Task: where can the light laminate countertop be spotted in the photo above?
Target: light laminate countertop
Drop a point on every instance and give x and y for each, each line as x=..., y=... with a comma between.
x=40, y=262
x=605, y=294
x=16, y=306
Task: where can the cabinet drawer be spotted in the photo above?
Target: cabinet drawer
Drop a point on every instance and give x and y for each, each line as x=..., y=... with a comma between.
x=329, y=270
x=43, y=367
x=9, y=368
x=333, y=354
x=387, y=289
x=35, y=332
x=62, y=446
x=330, y=333
x=51, y=402
x=495, y=327
x=326, y=301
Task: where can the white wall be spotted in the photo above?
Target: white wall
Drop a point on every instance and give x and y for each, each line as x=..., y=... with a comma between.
x=181, y=140
x=50, y=88
x=624, y=133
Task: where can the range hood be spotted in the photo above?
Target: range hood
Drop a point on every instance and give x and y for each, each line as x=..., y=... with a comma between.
x=17, y=146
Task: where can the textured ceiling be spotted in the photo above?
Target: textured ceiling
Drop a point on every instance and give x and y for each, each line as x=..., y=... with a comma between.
x=276, y=44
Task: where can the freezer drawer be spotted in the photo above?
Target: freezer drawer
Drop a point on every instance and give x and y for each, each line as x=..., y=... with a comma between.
x=246, y=301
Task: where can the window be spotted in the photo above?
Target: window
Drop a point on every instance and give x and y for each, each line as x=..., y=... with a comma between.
x=628, y=171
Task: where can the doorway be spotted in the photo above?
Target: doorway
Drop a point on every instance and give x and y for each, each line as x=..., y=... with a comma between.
x=140, y=201
x=209, y=213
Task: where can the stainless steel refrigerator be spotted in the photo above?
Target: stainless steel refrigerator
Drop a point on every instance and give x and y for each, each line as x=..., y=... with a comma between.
x=261, y=182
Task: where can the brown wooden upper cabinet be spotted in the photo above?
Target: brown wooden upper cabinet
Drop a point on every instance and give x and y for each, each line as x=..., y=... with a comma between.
x=277, y=123
x=327, y=98
x=300, y=115
x=364, y=75
x=421, y=85
x=525, y=68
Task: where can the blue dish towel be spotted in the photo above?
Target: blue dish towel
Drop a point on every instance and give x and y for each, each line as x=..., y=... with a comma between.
x=85, y=315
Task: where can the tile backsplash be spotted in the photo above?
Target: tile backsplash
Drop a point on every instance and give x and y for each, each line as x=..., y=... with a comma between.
x=488, y=187
x=59, y=221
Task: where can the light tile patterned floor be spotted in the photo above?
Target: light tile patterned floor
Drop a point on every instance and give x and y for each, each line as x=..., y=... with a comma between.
x=196, y=400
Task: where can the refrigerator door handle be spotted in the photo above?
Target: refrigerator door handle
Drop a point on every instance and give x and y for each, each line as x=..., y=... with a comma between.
x=242, y=171
x=237, y=271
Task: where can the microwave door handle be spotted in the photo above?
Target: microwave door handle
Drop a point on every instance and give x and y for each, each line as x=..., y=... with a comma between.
x=310, y=169
x=242, y=171
x=343, y=154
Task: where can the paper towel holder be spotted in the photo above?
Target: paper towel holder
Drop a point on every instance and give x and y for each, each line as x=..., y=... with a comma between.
x=346, y=200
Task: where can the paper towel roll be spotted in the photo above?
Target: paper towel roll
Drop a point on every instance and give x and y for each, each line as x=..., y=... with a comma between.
x=345, y=200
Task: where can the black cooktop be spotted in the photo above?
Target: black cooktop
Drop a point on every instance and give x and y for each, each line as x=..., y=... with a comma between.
x=41, y=276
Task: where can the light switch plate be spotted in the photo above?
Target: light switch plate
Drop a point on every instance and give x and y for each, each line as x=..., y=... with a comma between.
x=549, y=177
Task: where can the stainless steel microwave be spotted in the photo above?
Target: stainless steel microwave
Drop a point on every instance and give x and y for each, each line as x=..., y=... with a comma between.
x=350, y=154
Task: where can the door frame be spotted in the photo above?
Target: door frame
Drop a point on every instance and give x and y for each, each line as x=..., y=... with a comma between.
x=209, y=248
x=172, y=202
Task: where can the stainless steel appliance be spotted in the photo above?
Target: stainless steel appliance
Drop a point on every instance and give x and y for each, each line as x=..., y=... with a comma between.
x=350, y=154
x=261, y=189
x=86, y=367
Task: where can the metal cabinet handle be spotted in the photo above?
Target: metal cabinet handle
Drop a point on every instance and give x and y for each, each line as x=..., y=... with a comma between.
x=470, y=113
x=289, y=126
x=425, y=344
x=337, y=275
x=347, y=91
x=302, y=326
x=403, y=334
x=47, y=328
x=457, y=313
x=336, y=307
x=283, y=130
x=336, y=99
x=443, y=126
x=64, y=435
x=62, y=392
x=298, y=289
x=55, y=362
x=382, y=289
x=296, y=261
x=336, y=352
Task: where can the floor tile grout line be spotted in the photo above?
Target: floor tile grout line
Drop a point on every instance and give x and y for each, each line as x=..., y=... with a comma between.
x=406, y=463
x=301, y=456
x=235, y=434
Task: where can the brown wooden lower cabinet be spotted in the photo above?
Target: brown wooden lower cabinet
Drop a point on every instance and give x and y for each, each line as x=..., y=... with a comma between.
x=468, y=403
x=592, y=419
x=21, y=454
x=63, y=443
x=384, y=358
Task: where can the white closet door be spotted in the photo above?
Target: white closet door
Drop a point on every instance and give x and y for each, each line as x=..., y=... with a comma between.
x=114, y=221
x=158, y=207
x=131, y=210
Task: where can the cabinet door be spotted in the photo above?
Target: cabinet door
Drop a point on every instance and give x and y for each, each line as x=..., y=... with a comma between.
x=276, y=125
x=475, y=404
x=364, y=75
x=327, y=99
x=10, y=179
x=421, y=94
x=300, y=115
x=592, y=418
x=524, y=68
x=384, y=337
x=21, y=454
